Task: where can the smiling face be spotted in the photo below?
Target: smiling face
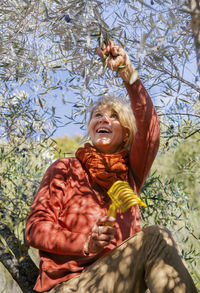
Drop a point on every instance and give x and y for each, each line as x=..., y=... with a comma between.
x=105, y=130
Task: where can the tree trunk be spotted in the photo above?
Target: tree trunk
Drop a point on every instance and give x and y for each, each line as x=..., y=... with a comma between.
x=195, y=24
x=17, y=262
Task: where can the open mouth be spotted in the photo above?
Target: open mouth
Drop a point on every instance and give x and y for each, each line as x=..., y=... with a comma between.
x=103, y=130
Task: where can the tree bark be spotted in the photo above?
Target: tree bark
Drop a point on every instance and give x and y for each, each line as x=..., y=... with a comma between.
x=195, y=24
x=17, y=262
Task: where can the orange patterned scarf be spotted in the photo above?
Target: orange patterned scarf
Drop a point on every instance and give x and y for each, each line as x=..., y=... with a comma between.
x=104, y=169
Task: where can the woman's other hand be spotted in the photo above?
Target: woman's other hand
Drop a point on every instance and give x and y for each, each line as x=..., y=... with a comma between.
x=117, y=60
x=100, y=236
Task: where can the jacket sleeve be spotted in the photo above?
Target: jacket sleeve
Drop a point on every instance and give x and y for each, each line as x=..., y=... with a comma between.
x=43, y=229
x=146, y=141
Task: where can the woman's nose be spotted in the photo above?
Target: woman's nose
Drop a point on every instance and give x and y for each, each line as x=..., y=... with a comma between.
x=104, y=118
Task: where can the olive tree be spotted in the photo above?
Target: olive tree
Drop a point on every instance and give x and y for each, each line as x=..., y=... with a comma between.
x=47, y=51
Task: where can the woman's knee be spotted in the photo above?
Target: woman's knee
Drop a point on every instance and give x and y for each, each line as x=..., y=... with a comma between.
x=157, y=232
x=157, y=229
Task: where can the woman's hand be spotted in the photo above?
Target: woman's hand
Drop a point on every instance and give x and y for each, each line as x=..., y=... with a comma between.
x=100, y=236
x=117, y=60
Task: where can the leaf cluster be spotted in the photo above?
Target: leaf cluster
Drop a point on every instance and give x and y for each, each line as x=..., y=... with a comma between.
x=168, y=205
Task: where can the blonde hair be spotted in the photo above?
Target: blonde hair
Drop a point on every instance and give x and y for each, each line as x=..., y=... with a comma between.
x=125, y=114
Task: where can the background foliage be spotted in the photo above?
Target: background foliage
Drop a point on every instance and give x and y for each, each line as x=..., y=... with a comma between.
x=47, y=52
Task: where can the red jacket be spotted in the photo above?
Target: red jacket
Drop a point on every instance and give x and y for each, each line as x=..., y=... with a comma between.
x=66, y=206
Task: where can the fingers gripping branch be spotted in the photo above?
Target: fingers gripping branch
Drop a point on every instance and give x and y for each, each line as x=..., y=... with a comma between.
x=116, y=59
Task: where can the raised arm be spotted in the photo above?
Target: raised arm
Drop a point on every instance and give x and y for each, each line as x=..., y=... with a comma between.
x=146, y=141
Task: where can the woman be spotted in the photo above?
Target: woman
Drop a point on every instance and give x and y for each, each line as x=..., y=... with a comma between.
x=68, y=215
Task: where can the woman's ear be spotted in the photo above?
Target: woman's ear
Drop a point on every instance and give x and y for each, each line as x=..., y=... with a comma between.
x=126, y=135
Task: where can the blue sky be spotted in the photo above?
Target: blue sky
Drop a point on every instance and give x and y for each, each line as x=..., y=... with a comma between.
x=70, y=129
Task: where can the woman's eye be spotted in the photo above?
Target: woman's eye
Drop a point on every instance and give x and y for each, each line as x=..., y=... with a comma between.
x=115, y=116
x=98, y=115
